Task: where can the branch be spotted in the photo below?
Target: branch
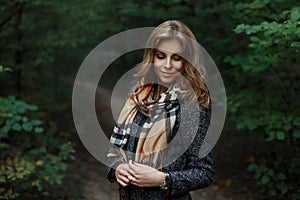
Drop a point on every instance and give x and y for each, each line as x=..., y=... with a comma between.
x=17, y=8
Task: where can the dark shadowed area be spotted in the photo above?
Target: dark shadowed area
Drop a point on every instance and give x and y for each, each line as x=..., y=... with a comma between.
x=254, y=43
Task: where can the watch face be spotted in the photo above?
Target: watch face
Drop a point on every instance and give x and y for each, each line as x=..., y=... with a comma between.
x=166, y=182
x=165, y=185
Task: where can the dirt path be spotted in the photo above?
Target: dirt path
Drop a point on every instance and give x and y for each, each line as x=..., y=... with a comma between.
x=232, y=181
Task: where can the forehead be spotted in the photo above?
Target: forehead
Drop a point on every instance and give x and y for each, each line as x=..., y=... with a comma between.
x=170, y=45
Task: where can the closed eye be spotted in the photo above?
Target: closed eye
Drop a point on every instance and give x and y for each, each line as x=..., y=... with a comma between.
x=177, y=57
x=160, y=55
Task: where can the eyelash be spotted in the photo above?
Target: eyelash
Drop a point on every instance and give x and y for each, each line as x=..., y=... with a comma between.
x=176, y=57
x=159, y=56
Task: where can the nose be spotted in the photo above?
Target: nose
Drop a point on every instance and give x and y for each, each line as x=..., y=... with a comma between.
x=168, y=63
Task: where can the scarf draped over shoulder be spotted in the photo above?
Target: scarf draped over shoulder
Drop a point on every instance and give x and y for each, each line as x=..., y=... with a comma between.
x=154, y=133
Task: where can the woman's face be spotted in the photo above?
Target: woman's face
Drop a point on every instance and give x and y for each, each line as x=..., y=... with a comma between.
x=167, y=60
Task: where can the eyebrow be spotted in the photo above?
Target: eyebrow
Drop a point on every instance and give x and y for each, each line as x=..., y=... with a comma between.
x=160, y=51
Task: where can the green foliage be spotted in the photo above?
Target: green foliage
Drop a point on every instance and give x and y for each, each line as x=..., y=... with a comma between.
x=267, y=81
x=255, y=43
x=4, y=69
x=26, y=163
x=272, y=178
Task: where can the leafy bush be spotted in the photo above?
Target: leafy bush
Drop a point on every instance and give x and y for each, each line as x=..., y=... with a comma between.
x=266, y=98
x=30, y=160
x=278, y=176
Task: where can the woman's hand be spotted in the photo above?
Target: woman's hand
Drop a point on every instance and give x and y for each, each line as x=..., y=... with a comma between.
x=122, y=174
x=145, y=176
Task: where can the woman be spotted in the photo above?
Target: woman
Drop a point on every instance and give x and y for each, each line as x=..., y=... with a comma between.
x=142, y=159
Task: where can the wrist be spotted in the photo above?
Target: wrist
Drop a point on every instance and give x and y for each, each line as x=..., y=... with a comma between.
x=161, y=178
x=117, y=166
x=166, y=181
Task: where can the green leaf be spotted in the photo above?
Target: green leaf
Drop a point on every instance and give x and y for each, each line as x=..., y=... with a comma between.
x=283, y=187
x=271, y=172
x=27, y=126
x=257, y=174
x=24, y=119
x=5, y=69
x=251, y=167
x=240, y=125
x=296, y=133
x=38, y=130
x=271, y=136
x=272, y=192
x=295, y=44
x=2, y=179
x=277, y=124
x=287, y=127
x=3, y=145
x=265, y=179
x=36, y=122
x=241, y=28
x=32, y=107
x=281, y=176
x=280, y=135
x=247, y=67
x=296, y=121
x=16, y=127
x=19, y=175
x=254, y=39
x=295, y=15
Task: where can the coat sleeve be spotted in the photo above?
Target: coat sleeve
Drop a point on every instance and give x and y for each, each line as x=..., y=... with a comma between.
x=113, y=163
x=114, y=159
x=197, y=172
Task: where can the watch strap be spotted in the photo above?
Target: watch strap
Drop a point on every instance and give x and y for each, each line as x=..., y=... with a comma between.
x=167, y=182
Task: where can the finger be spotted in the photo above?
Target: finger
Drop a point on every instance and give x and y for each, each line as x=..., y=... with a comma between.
x=131, y=171
x=131, y=178
x=122, y=183
x=126, y=174
x=124, y=179
x=132, y=167
x=136, y=163
x=123, y=172
x=135, y=182
x=128, y=170
x=120, y=166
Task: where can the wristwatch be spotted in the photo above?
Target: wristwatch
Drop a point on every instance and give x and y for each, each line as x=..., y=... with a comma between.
x=167, y=182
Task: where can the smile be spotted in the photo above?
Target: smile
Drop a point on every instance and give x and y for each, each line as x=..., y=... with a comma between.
x=166, y=74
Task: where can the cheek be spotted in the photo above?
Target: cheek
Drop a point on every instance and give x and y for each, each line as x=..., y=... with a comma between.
x=178, y=66
x=157, y=62
x=156, y=68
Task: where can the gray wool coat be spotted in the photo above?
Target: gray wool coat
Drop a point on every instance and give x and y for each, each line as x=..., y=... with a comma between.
x=188, y=172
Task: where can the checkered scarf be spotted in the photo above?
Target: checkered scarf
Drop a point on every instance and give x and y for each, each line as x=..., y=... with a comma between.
x=154, y=133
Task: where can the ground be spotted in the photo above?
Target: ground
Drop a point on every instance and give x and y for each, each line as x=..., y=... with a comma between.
x=232, y=181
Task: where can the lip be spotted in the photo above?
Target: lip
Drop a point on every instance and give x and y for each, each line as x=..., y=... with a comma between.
x=167, y=74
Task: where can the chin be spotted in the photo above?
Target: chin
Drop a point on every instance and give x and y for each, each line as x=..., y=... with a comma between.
x=166, y=82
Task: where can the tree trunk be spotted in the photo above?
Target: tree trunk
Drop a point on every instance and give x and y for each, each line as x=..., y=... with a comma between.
x=19, y=49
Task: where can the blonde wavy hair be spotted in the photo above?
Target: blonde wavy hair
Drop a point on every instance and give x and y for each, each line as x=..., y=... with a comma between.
x=191, y=61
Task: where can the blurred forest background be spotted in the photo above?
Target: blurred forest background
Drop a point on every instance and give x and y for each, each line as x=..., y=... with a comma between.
x=255, y=44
